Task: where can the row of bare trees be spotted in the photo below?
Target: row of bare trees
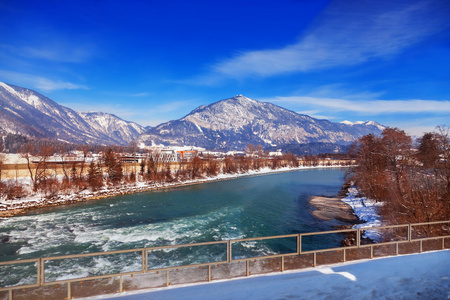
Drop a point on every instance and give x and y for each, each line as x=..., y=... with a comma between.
x=54, y=170
x=413, y=181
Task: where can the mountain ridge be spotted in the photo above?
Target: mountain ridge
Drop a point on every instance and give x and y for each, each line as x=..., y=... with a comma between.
x=227, y=124
x=233, y=123
x=30, y=113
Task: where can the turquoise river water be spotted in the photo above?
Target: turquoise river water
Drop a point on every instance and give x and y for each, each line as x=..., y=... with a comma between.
x=256, y=206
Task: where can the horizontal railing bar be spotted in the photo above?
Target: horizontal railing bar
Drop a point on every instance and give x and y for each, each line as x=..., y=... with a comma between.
x=23, y=261
x=265, y=238
x=264, y=257
x=187, y=266
x=16, y=287
x=329, y=232
x=91, y=278
x=385, y=227
x=328, y=249
x=144, y=253
x=384, y=243
x=185, y=245
x=429, y=223
x=404, y=241
x=431, y=238
x=92, y=254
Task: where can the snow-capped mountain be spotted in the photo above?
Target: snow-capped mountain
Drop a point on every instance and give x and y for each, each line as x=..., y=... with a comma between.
x=367, y=123
x=227, y=124
x=236, y=122
x=29, y=113
x=112, y=126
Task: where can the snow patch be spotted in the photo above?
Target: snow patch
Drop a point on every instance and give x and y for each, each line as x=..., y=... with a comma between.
x=367, y=211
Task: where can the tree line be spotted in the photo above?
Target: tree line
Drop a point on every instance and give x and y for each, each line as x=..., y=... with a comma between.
x=54, y=170
x=412, y=179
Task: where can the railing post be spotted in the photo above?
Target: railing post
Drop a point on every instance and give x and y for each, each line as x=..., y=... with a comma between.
x=209, y=272
x=358, y=237
x=42, y=271
x=282, y=264
x=299, y=243
x=144, y=260
x=69, y=290
x=229, y=254
x=39, y=268
x=167, y=278
x=409, y=232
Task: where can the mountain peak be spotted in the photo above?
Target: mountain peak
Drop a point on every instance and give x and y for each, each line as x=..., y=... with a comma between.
x=242, y=98
x=235, y=122
x=29, y=113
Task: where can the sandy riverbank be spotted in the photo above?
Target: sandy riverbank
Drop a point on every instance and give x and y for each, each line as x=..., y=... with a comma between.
x=328, y=208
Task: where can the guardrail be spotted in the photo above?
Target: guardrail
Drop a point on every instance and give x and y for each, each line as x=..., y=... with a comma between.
x=398, y=239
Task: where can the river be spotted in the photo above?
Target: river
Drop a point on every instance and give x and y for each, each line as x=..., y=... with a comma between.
x=254, y=206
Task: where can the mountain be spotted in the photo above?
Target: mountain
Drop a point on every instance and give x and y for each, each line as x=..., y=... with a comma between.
x=29, y=113
x=236, y=122
x=113, y=126
x=229, y=124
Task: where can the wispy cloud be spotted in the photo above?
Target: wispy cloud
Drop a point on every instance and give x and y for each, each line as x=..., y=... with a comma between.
x=315, y=114
x=173, y=106
x=143, y=114
x=59, y=53
x=56, y=50
x=369, y=107
x=38, y=82
x=348, y=33
x=127, y=95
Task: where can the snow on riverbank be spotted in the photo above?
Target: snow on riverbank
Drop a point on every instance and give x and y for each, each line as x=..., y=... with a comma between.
x=367, y=211
x=13, y=207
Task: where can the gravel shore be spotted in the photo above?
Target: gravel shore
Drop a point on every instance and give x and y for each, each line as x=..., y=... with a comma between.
x=328, y=208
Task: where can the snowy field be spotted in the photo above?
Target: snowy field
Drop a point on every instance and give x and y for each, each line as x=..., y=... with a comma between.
x=417, y=276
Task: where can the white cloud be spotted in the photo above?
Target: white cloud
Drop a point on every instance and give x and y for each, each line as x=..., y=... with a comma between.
x=315, y=114
x=59, y=53
x=143, y=114
x=348, y=33
x=370, y=107
x=38, y=82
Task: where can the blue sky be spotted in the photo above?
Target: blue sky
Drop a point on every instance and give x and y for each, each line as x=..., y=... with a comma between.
x=154, y=61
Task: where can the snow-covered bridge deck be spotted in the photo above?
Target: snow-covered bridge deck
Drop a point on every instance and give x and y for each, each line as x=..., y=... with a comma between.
x=415, y=276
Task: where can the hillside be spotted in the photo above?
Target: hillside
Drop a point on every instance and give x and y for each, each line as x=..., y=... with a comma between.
x=29, y=113
x=236, y=122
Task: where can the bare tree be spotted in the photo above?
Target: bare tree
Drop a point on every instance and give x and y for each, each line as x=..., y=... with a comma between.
x=37, y=164
x=212, y=166
x=388, y=171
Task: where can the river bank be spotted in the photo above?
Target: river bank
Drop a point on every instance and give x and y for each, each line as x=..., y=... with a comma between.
x=328, y=208
x=11, y=208
x=350, y=207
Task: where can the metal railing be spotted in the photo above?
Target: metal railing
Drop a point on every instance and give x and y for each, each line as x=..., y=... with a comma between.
x=399, y=239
